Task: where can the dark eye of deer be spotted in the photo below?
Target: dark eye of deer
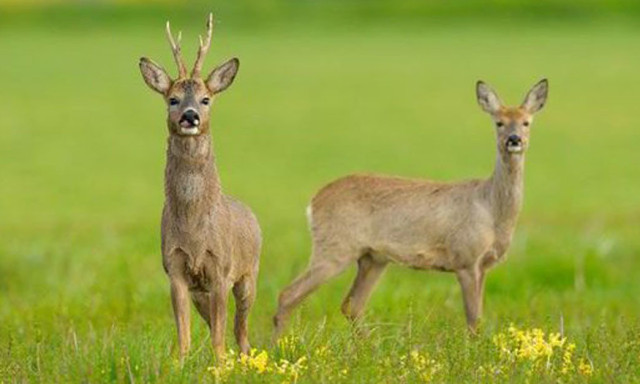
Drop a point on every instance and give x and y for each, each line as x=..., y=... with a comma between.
x=205, y=101
x=174, y=101
x=499, y=123
x=526, y=123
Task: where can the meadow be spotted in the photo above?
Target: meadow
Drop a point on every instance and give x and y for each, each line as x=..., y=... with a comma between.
x=84, y=298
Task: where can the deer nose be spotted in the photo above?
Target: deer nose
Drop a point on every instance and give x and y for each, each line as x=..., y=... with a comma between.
x=191, y=117
x=514, y=140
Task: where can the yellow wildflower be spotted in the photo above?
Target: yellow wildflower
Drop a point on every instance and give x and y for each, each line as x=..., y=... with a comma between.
x=534, y=352
x=584, y=368
x=321, y=352
x=567, y=359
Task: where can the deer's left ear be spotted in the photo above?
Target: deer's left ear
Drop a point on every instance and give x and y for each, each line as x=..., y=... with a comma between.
x=222, y=77
x=155, y=76
x=537, y=97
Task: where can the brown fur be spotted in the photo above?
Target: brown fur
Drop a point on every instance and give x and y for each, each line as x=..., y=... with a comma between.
x=210, y=242
x=374, y=220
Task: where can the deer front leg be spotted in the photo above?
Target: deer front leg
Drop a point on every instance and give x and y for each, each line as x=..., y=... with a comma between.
x=219, y=294
x=244, y=292
x=181, y=311
x=472, y=284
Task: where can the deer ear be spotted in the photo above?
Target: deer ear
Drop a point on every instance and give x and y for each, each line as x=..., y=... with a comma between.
x=487, y=98
x=222, y=77
x=154, y=75
x=537, y=97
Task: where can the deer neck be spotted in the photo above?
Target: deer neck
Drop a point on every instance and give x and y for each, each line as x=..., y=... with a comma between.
x=192, y=184
x=505, y=191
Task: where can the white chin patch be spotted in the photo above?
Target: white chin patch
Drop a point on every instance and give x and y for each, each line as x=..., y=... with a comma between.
x=189, y=131
x=515, y=149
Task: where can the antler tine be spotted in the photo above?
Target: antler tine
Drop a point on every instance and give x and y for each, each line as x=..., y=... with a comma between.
x=204, y=48
x=177, y=55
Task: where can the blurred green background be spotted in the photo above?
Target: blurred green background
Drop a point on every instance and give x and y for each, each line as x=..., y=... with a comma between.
x=324, y=89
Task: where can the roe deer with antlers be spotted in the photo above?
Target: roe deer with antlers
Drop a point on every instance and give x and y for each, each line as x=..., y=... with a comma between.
x=210, y=242
x=464, y=227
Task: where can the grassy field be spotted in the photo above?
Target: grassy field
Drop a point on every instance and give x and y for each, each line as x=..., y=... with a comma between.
x=83, y=297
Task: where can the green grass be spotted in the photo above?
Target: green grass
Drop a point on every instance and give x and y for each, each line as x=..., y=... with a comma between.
x=83, y=297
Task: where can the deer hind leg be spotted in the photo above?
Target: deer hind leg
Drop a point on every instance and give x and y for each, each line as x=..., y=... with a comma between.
x=472, y=284
x=244, y=292
x=202, y=301
x=369, y=272
x=320, y=271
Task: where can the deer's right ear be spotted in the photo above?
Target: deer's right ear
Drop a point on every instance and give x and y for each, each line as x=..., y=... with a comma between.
x=487, y=98
x=155, y=76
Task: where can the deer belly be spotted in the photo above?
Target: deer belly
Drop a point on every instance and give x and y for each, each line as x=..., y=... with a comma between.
x=431, y=259
x=416, y=257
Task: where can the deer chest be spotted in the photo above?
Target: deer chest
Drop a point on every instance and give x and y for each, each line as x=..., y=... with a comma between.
x=197, y=279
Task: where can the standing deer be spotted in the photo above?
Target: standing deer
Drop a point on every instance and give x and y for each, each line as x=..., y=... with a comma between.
x=463, y=227
x=210, y=242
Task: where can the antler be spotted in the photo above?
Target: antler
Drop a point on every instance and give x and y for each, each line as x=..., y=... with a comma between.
x=175, y=48
x=204, y=48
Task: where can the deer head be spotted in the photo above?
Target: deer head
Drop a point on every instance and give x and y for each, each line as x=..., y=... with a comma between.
x=189, y=97
x=512, y=123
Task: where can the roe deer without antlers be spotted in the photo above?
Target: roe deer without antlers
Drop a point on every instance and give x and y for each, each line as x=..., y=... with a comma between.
x=210, y=242
x=463, y=227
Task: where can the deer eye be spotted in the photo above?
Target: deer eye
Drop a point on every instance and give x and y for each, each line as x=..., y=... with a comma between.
x=526, y=123
x=206, y=101
x=174, y=101
x=499, y=124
